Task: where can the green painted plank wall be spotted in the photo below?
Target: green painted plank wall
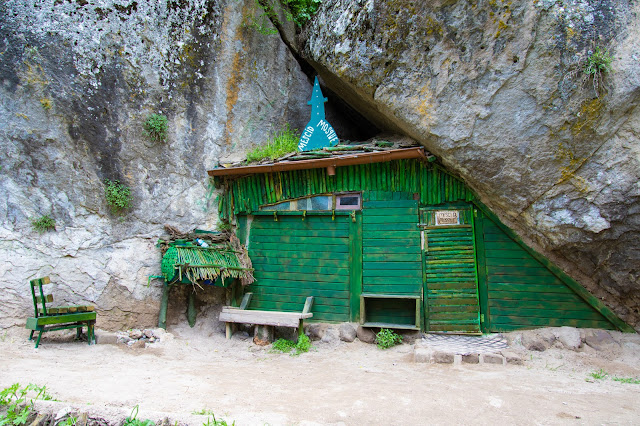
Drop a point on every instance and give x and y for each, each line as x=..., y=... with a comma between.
x=295, y=258
x=432, y=184
x=523, y=293
x=392, y=263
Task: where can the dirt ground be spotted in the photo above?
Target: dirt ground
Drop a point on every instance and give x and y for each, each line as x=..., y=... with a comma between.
x=335, y=383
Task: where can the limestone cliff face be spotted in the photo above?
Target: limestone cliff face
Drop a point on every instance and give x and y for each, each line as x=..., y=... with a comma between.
x=495, y=89
x=77, y=81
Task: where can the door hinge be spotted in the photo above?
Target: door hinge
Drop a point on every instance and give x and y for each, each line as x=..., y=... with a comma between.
x=481, y=317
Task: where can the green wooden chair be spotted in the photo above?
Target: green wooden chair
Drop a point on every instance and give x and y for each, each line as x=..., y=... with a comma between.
x=49, y=318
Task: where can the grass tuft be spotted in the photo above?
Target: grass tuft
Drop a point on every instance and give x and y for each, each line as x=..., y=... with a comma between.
x=44, y=223
x=280, y=143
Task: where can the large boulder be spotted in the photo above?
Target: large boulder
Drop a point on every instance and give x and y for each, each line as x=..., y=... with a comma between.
x=77, y=82
x=497, y=91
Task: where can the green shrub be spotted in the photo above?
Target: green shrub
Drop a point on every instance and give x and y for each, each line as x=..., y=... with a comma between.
x=280, y=143
x=156, y=127
x=283, y=345
x=302, y=10
x=118, y=196
x=44, y=223
x=387, y=338
x=18, y=405
x=597, y=64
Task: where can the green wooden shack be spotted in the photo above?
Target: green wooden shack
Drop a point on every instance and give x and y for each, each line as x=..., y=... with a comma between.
x=385, y=236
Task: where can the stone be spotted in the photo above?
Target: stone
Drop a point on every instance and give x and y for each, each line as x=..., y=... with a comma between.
x=471, y=359
x=492, y=359
x=158, y=333
x=600, y=340
x=135, y=334
x=106, y=338
x=83, y=123
x=148, y=333
x=410, y=337
x=241, y=335
x=512, y=357
x=347, y=332
x=316, y=331
x=330, y=335
x=441, y=357
x=137, y=344
x=365, y=335
x=422, y=355
x=569, y=337
x=538, y=340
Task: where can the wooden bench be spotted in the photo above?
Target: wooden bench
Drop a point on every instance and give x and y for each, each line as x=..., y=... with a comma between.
x=242, y=315
x=47, y=318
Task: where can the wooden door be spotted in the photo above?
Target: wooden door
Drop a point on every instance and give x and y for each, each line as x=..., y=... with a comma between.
x=451, y=282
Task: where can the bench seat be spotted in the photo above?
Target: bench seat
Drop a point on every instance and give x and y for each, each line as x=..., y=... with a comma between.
x=242, y=315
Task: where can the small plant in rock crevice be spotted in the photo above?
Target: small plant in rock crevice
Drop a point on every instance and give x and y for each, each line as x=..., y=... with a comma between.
x=387, y=338
x=302, y=10
x=156, y=127
x=597, y=64
x=118, y=196
x=44, y=223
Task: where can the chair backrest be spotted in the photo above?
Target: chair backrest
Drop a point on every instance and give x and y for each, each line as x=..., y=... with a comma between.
x=40, y=297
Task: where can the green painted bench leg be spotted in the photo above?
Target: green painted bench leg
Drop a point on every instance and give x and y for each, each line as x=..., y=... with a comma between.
x=229, y=330
x=79, y=332
x=38, y=339
x=31, y=335
x=90, y=333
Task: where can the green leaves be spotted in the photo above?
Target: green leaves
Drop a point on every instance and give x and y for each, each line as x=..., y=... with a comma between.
x=387, y=338
x=118, y=196
x=15, y=399
x=43, y=224
x=156, y=127
x=280, y=143
x=302, y=10
x=598, y=62
x=283, y=345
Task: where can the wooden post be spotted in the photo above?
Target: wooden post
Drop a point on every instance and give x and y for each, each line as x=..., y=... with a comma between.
x=263, y=335
x=164, y=303
x=191, y=309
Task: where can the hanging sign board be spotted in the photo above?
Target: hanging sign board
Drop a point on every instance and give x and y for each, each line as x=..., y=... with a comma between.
x=447, y=217
x=318, y=133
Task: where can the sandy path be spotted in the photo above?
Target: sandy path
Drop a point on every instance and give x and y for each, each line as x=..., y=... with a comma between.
x=334, y=384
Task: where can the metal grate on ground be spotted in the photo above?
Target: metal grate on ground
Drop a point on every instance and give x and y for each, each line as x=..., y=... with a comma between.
x=464, y=345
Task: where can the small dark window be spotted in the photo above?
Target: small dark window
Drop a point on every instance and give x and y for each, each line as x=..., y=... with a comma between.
x=348, y=202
